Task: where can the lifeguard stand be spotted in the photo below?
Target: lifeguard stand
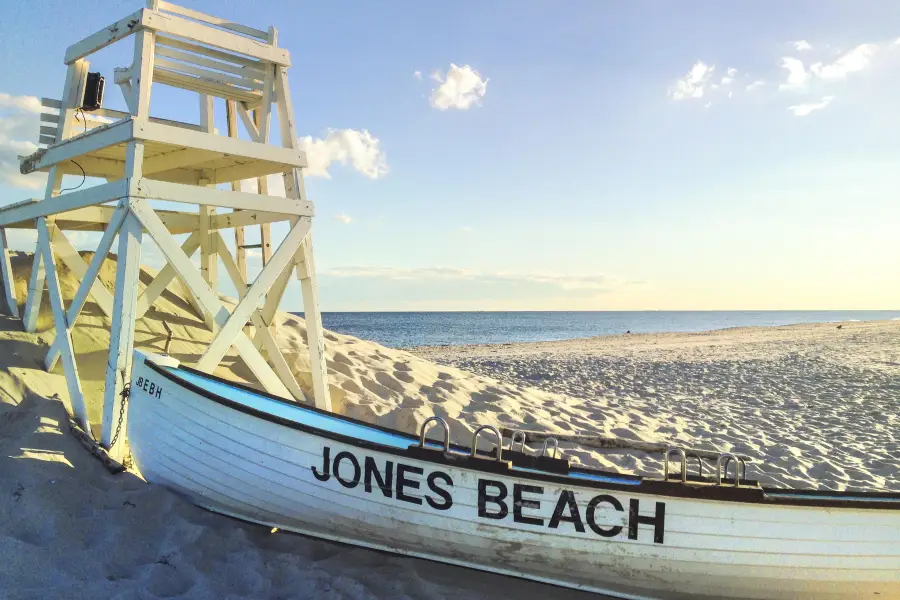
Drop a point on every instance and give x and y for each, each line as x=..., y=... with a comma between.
x=144, y=160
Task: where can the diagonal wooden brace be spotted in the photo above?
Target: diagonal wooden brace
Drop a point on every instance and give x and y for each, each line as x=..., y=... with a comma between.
x=190, y=275
x=88, y=282
x=249, y=303
x=164, y=278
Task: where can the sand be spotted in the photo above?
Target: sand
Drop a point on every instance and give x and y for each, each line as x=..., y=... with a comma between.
x=815, y=402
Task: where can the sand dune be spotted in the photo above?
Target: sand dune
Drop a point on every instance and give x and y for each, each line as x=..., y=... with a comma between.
x=819, y=405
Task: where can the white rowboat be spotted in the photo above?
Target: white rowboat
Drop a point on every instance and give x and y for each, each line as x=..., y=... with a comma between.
x=249, y=455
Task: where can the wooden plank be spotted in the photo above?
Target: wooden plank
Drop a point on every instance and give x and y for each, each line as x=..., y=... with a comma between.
x=88, y=281
x=270, y=307
x=98, y=194
x=185, y=157
x=70, y=368
x=231, y=267
x=210, y=302
x=106, y=36
x=47, y=139
x=247, y=63
x=247, y=170
x=165, y=277
x=9, y=283
x=314, y=331
x=118, y=370
x=203, y=85
x=86, y=143
x=176, y=26
x=72, y=259
x=241, y=252
x=154, y=132
x=247, y=120
x=207, y=75
x=227, y=67
x=241, y=218
x=50, y=118
x=199, y=16
x=93, y=166
x=293, y=181
x=118, y=114
x=35, y=291
x=216, y=350
x=51, y=103
x=190, y=194
x=142, y=72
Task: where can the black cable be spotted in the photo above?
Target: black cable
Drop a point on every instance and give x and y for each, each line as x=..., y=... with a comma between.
x=83, y=179
x=83, y=119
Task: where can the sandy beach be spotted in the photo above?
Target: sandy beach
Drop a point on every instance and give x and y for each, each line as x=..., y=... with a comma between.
x=814, y=404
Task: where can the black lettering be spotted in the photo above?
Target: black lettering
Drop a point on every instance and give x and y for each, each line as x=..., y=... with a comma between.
x=152, y=389
x=567, y=500
x=403, y=482
x=658, y=521
x=484, y=498
x=386, y=484
x=140, y=382
x=325, y=475
x=519, y=503
x=158, y=392
x=591, y=521
x=146, y=383
x=432, y=485
x=347, y=483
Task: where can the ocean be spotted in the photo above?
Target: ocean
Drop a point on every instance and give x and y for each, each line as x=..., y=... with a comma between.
x=406, y=329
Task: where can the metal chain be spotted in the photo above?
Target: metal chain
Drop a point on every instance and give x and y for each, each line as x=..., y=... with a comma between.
x=126, y=392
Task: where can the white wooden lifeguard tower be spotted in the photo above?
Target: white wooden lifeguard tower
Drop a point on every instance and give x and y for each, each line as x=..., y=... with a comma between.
x=145, y=160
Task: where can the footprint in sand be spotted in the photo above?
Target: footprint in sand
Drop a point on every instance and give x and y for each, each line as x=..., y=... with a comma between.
x=404, y=376
x=389, y=381
x=445, y=385
x=402, y=366
x=340, y=367
x=351, y=386
x=376, y=388
x=342, y=358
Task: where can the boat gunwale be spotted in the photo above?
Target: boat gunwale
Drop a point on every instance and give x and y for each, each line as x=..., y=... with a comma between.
x=726, y=493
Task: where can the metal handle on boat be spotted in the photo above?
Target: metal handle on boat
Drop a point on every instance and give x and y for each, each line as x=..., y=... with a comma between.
x=740, y=469
x=726, y=459
x=496, y=432
x=555, y=447
x=683, y=463
x=699, y=464
x=446, y=432
x=516, y=435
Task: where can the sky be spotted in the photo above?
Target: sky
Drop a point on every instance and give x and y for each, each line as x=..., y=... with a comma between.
x=574, y=155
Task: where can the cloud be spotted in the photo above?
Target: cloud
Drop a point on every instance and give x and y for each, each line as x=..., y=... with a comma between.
x=851, y=62
x=692, y=84
x=755, y=85
x=798, y=77
x=801, y=45
x=801, y=110
x=342, y=217
x=461, y=88
x=19, y=125
x=360, y=149
x=562, y=282
x=417, y=75
x=730, y=74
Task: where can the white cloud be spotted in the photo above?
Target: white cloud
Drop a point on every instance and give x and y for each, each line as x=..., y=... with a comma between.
x=801, y=45
x=342, y=217
x=851, y=62
x=563, y=282
x=730, y=74
x=801, y=110
x=360, y=149
x=417, y=75
x=798, y=77
x=692, y=84
x=19, y=125
x=755, y=85
x=461, y=88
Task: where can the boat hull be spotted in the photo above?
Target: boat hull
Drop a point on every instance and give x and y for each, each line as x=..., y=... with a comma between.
x=591, y=536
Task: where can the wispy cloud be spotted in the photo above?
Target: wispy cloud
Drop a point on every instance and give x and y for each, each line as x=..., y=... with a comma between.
x=694, y=83
x=19, y=125
x=461, y=88
x=851, y=62
x=417, y=75
x=343, y=218
x=730, y=75
x=359, y=149
x=755, y=85
x=801, y=110
x=801, y=45
x=562, y=282
x=797, y=77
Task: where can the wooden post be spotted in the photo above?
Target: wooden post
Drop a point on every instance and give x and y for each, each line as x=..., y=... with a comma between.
x=9, y=283
x=121, y=343
x=240, y=251
x=209, y=261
